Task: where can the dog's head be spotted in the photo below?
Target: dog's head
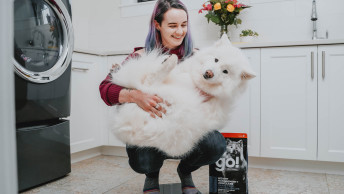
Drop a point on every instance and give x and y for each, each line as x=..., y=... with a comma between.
x=234, y=146
x=221, y=69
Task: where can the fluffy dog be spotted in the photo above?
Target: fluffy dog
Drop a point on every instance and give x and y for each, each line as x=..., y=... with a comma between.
x=220, y=71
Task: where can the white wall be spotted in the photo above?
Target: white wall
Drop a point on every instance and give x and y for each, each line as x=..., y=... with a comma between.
x=100, y=27
x=8, y=173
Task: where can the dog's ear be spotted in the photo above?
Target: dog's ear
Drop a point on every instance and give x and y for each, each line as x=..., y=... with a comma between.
x=247, y=75
x=224, y=41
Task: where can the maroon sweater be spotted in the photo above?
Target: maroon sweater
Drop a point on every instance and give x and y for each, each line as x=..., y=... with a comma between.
x=109, y=92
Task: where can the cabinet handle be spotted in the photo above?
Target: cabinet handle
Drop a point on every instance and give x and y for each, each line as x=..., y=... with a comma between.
x=323, y=64
x=312, y=65
x=79, y=69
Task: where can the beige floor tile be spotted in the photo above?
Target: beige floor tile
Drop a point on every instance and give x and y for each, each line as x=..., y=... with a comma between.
x=335, y=183
x=45, y=189
x=80, y=184
x=132, y=186
x=201, y=179
x=95, y=184
x=113, y=175
x=95, y=175
x=278, y=181
x=99, y=164
x=168, y=175
x=168, y=172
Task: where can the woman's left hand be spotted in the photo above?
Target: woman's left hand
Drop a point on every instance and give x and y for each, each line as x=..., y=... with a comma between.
x=206, y=96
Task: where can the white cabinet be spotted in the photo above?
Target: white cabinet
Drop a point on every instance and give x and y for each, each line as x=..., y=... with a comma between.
x=331, y=103
x=112, y=139
x=289, y=102
x=90, y=116
x=302, y=103
x=245, y=117
x=290, y=110
x=87, y=118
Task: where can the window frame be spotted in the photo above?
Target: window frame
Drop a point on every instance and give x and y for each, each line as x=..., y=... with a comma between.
x=133, y=8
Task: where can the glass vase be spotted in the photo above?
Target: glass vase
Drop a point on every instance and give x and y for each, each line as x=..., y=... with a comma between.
x=224, y=30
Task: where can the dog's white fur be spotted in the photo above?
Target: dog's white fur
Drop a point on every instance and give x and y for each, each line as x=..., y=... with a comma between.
x=188, y=118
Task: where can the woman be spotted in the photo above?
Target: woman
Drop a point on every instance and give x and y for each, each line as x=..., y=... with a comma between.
x=169, y=31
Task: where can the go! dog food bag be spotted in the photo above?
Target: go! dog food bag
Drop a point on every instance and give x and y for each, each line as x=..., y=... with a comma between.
x=229, y=173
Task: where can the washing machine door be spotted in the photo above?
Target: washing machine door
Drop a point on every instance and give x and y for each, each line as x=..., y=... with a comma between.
x=43, y=39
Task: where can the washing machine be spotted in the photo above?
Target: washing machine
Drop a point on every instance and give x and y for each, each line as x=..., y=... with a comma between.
x=43, y=47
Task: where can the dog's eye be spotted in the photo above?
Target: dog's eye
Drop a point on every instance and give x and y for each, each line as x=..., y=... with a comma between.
x=225, y=71
x=216, y=60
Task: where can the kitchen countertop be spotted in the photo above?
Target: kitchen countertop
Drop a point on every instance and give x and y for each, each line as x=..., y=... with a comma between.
x=254, y=44
x=260, y=44
x=102, y=53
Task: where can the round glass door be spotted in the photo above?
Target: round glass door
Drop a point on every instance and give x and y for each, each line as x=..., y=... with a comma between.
x=43, y=39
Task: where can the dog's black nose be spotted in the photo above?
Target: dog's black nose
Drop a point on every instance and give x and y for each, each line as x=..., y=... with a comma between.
x=208, y=74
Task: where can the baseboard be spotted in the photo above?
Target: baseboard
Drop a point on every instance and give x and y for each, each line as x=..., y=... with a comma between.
x=86, y=154
x=253, y=162
x=114, y=151
x=297, y=165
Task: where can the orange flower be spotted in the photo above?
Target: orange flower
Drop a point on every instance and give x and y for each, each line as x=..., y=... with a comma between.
x=230, y=8
x=217, y=6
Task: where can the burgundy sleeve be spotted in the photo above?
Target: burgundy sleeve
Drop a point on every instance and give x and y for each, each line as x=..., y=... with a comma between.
x=109, y=91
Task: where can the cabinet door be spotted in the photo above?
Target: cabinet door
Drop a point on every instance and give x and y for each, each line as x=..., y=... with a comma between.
x=112, y=140
x=87, y=122
x=289, y=102
x=331, y=103
x=245, y=118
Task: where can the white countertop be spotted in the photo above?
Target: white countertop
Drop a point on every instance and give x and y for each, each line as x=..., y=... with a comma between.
x=260, y=44
x=254, y=44
x=102, y=53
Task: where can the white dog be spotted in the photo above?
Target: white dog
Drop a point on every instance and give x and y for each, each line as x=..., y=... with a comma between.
x=220, y=71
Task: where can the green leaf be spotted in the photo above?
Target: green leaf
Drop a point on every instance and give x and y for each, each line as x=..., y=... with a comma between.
x=239, y=21
x=215, y=19
x=223, y=17
x=208, y=16
x=238, y=9
x=247, y=6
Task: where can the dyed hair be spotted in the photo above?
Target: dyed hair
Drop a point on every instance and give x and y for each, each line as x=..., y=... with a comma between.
x=153, y=39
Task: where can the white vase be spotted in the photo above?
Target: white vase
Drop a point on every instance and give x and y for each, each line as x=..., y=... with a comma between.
x=246, y=38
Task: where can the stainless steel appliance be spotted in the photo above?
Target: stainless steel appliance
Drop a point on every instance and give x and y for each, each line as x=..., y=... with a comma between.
x=43, y=46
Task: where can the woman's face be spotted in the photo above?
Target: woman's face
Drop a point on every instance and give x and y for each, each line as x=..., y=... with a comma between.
x=173, y=28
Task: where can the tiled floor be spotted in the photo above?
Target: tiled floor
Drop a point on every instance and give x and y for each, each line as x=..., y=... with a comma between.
x=113, y=175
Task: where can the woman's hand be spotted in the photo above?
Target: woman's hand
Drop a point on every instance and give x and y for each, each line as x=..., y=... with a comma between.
x=148, y=102
x=206, y=96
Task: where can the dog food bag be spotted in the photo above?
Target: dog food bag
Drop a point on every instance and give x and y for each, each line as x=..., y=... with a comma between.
x=229, y=173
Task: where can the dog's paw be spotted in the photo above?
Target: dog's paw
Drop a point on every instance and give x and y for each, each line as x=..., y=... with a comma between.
x=115, y=68
x=170, y=62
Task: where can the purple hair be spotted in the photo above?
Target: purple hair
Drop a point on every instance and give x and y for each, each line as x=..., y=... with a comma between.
x=153, y=39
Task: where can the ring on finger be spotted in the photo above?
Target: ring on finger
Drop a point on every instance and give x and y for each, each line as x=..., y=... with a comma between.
x=156, y=106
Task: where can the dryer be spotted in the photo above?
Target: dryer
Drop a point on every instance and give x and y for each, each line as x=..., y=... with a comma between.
x=43, y=47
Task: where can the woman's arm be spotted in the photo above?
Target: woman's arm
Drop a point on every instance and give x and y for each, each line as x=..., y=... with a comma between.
x=113, y=94
x=110, y=92
x=147, y=102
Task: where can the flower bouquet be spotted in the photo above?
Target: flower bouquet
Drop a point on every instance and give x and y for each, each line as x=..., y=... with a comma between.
x=223, y=13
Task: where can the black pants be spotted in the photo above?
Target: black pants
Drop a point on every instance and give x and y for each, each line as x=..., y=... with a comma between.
x=148, y=161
